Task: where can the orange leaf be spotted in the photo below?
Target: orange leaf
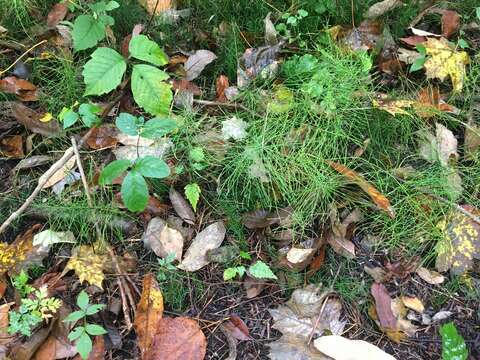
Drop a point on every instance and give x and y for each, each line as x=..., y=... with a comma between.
x=149, y=313
x=12, y=147
x=378, y=198
x=450, y=22
x=221, y=84
x=57, y=14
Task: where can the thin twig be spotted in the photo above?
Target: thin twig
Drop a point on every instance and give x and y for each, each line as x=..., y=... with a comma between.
x=22, y=56
x=230, y=105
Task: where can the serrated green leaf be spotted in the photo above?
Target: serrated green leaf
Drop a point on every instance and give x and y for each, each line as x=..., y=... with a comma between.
x=74, y=316
x=152, y=167
x=192, y=192
x=94, y=329
x=104, y=71
x=113, y=170
x=453, y=344
x=82, y=300
x=84, y=345
x=156, y=128
x=149, y=89
x=134, y=191
x=76, y=333
x=260, y=270
x=128, y=124
x=142, y=48
x=87, y=32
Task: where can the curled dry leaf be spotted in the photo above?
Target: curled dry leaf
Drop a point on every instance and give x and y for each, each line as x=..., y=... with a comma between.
x=197, y=62
x=237, y=328
x=162, y=239
x=57, y=14
x=413, y=40
x=12, y=147
x=181, y=207
x=257, y=61
x=378, y=198
x=31, y=120
x=209, y=238
x=340, y=348
x=430, y=276
x=299, y=255
x=148, y=315
x=221, y=84
x=339, y=236
x=24, y=89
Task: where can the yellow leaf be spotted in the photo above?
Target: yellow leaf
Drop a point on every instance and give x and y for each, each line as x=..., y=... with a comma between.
x=393, y=107
x=444, y=61
x=87, y=264
x=413, y=303
x=46, y=117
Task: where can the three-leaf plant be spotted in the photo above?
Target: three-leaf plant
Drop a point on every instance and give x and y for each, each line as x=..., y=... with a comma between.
x=134, y=189
x=105, y=70
x=81, y=333
x=87, y=113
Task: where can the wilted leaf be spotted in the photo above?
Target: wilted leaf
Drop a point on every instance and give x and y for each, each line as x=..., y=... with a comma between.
x=178, y=338
x=413, y=40
x=30, y=119
x=257, y=219
x=234, y=128
x=197, y=62
x=57, y=14
x=88, y=265
x=209, y=238
x=444, y=61
x=365, y=36
x=442, y=147
x=378, y=198
x=148, y=315
x=383, y=307
x=460, y=243
x=12, y=147
x=156, y=7
x=340, y=348
x=413, y=303
x=382, y=7
x=102, y=137
x=162, y=239
x=181, y=207
x=24, y=89
x=237, y=328
x=430, y=276
x=55, y=348
x=393, y=107
x=5, y=337
x=271, y=34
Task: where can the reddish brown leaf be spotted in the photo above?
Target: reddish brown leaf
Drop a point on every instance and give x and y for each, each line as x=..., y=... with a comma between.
x=430, y=102
x=365, y=36
x=54, y=348
x=186, y=85
x=57, y=14
x=24, y=89
x=178, y=338
x=383, y=303
x=413, y=40
x=401, y=269
x=237, y=328
x=378, y=198
x=253, y=287
x=317, y=262
x=30, y=119
x=450, y=23
x=221, y=84
x=12, y=147
x=102, y=137
x=257, y=219
x=149, y=313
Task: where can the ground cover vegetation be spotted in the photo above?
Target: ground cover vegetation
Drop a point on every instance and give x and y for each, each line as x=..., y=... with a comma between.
x=242, y=179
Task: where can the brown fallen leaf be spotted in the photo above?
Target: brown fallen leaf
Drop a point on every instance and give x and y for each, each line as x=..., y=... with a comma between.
x=60, y=174
x=221, y=84
x=253, y=287
x=12, y=147
x=413, y=303
x=156, y=7
x=339, y=236
x=383, y=303
x=31, y=120
x=148, y=315
x=178, y=338
x=162, y=239
x=365, y=36
x=24, y=89
x=413, y=40
x=293, y=347
x=450, y=22
x=430, y=276
x=57, y=14
x=378, y=198
x=182, y=207
x=197, y=62
x=317, y=262
x=430, y=102
x=102, y=137
x=55, y=348
x=185, y=85
x=257, y=219
x=237, y=328
x=25, y=350
x=5, y=337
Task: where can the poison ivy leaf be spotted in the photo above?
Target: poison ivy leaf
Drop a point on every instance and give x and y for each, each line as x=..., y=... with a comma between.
x=73, y=317
x=150, y=90
x=142, y=48
x=84, y=345
x=89, y=113
x=104, y=71
x=83, y=300
x=88, y=265
x=192, y=192
x=453, y=345
x=113, y=170
x=156, y=128
x=77, y=332
x=128, y=124
x=134, y=191
x=260, y=270
x=152, y=167
x=87, y=32
x=94, y=329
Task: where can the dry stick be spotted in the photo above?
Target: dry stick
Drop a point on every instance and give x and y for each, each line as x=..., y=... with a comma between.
x=230, y=105
x=22, y=56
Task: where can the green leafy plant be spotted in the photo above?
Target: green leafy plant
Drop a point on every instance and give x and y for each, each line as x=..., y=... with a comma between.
x=90, y=28
x=453, y=344
x=20, y=282
x=192, y=192
x=232, y=272
x=258, y=270
x=420, y=61
x=81, y=333
x=32, y=311
x=105, y=70
x=287, y=27
x=134, y=189
x=87, y=113
x=166, y=266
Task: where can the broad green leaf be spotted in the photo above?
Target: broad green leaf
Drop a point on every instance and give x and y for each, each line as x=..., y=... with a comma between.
x=94, y=329
x=453, y=345
x=68, y=117
x=89, y=112
x=76, y=333
x=113, y=170
x=74, y=316
x=142, y=48
x=134, y=191
x=260, y=270
x=82, y=300
x=93, y=309
x=128, y=124
x=104, y=71
x=84, y=345
x=192, y=192
x=152, y=167
x=149, y=89
x=156, y=128
x=418, y=64
x=112, y=5
x=87, y=32
x=106, y=20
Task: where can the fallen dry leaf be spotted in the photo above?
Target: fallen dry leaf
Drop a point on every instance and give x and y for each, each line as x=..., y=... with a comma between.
x=221, y=85
x=413, y=40
x=148, y=315
x=383, y=306
x=340, y=348
x=157, y=148
x=59, y=175
x=253, y=286
x=185, y=85
x=57, y=14
x=392, y=106
x=450, y=22
x=365, y=36
x=430, y=276
x=299, y=255
x=441, y=147
x=430, y=102
x=444, y=61
x=197, y=62
x=293, y=347
x=31, y=120
x=24, y=89
x=382, y=7
x=182, y=207
x=162, y=239
x=378, y=198
x=55, y=348
x=88, y=264
x=209, y=238
x=12, y=147
x=5, y=337
x=413, y=303
x=339, y=236
x=157, y=7
x=237, y=328
x=257, y=219
x=178, y=338
x=256, y=61
x=102, y=137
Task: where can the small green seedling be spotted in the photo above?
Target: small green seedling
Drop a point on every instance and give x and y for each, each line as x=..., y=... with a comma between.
x=166, y=266
x=20, y=282
x=258, y=270
x=420, y=61
x=87, y=113
x=134, y=189
x=192, y=192
x=81, y=333
x=453, y=344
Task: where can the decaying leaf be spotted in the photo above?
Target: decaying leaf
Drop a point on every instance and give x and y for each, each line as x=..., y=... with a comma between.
x=162, y=239
x=12, y=147
x=47, y=238
x=24, y=89
x=182, y=207
x=430, y=102
x=237, y=328
x=57, y=14
x=450, y=22
x=394, y=107
x=444, y=61
x=197, y=62
x=253, y=287
x=221, y=85
x=59, y=174
x=157, y=148
x=413, y=303
x=298, y=255
x=31, y=120
x=234, y=128
x=365, y=36
x=340, y=348
x=382, y=7
x=460, y=243
x=33, y=161
x=257, y=62
x=149, y=312
x=88, y=264
x=209, y=238
x=441, y=147
x=257, y=219
x=156, y=7
x=294, y=347
x=430, y=276
x=378, y=198
x=339, y=236
x=102, y=137
x=383, y=306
